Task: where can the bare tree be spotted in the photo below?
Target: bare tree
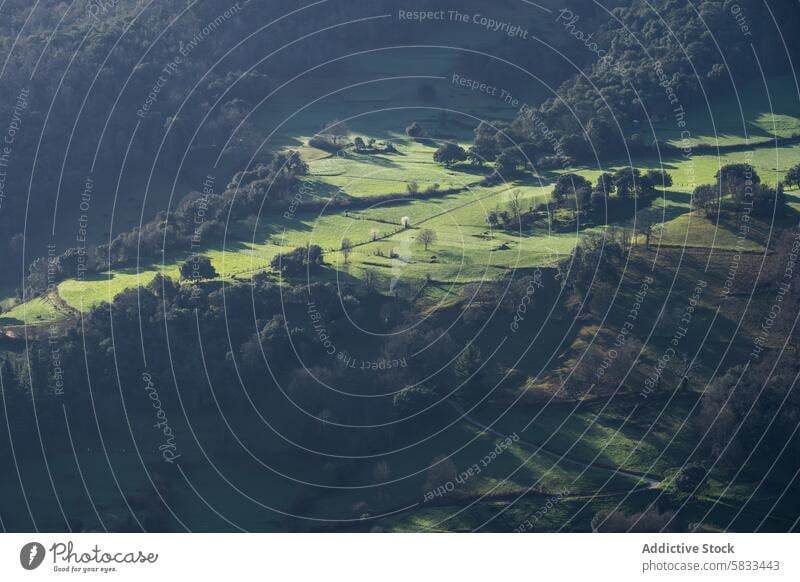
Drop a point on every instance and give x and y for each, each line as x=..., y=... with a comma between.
x=370, y=280
x=515, y=206
x=647, y=223
x=426, y=237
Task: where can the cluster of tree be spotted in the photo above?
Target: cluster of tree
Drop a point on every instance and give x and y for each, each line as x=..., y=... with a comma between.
x=749, y=416
x=655, y=60
x=303, y=259
x=792, y=179
x=449, y=154
x=625, y=184
x=198, y=267
x=198, y=220
x=372, y=146
x=512, y=153
x=332, y=137
x=575, y=192
x=594, y=260
x=740, y=184
x=271, y=337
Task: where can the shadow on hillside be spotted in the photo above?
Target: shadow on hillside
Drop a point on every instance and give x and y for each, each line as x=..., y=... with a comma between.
x=376, y=160
x=764, y=228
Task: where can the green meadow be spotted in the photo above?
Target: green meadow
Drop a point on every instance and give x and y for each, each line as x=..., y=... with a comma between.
x=466, y=249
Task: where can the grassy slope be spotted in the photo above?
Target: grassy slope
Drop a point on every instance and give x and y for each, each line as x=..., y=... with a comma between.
x=466, y=249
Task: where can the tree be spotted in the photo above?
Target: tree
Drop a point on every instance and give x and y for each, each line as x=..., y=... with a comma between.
x=8, y=379
x=755, y=404
x=198, y=267
x=412, y=188
x=163, y=287
x=485, y=147
x=335, y=130
x=574, y=146
x=765, y=198
x=299, y=259
x=793, y=177
x=426, y=237
x=626, y=181
x=571, y=186
x=605, y=184
x=474, y=156
x=359, y=143
x=659, y=178
x=691, y=478
x=507, y=163
x=415, y=131
x=369, y=278
x=515, y=206
x=706, y=198
x=737, y=181
x=449, y=154
x=468, y=362
x=284, y=161
x=442, y=470
x=468, y=369
x=13, y=388
x=346, y=248
x=601, y=136
x=594, y=260
x=598, y=200
x=646, y=223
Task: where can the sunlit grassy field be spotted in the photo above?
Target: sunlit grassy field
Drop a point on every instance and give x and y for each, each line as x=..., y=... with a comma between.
x=36, y=311
x=466, y=249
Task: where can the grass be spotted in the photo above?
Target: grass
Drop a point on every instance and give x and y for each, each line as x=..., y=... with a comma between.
x=361, y=175
x=34, y=312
